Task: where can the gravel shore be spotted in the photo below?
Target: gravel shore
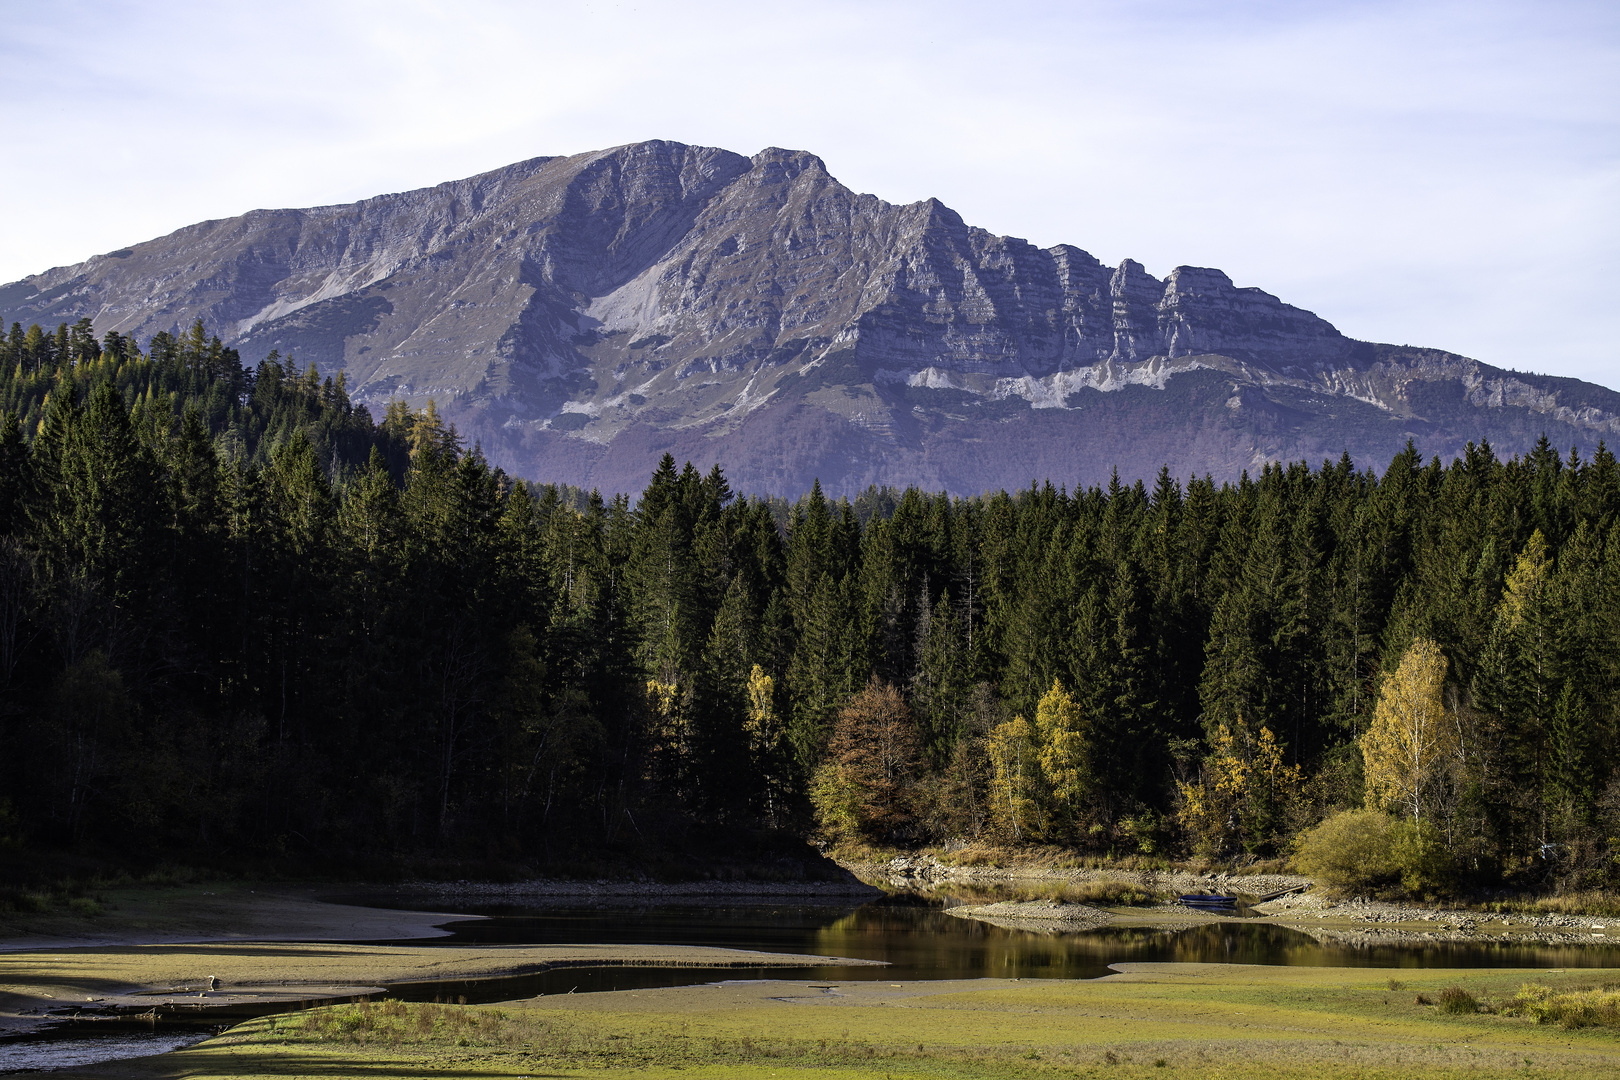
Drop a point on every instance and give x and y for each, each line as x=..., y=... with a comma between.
x=1041, y=916
x=1353, y=921
x=1375, y=922
x=926, y=871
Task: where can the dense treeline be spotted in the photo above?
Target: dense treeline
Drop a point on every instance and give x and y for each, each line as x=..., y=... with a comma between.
x=217, y=635
x=247, y=412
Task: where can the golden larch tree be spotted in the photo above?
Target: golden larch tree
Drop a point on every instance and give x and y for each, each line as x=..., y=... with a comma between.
x=1065, y=749
x=1242, y=793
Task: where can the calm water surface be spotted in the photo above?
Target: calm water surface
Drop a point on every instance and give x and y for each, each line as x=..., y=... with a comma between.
x=920, y=941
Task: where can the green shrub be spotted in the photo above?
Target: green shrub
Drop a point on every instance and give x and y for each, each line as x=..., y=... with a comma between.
x=24, y=901
x=1454, y=999
x=85, y=906
x=1352, y=850
x=1426, y=865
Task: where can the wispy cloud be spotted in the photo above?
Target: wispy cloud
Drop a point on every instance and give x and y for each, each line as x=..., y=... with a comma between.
x=1441, y=174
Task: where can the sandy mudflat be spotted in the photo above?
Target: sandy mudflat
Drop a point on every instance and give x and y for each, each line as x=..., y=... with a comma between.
x=609, y=892
x=221, y=913
x=34, y=985
x=159, y=948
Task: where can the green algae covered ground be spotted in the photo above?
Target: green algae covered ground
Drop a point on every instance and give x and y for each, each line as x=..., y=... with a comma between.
x=1160, y=1020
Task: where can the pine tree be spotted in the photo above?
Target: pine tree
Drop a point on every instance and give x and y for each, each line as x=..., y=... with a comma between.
x=814, y=679
x=940, y=687
x=1570, y=791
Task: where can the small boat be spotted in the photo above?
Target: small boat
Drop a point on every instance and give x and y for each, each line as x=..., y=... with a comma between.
x=1207, y=900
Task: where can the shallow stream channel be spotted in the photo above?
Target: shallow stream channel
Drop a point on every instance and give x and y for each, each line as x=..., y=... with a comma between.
x=910, y=931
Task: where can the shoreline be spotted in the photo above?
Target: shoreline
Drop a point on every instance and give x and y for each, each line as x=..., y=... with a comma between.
x=1354, y=921
x=336, y=913
x=221, y=914
x=608, y=890
x=199, y=983
x=925, y=871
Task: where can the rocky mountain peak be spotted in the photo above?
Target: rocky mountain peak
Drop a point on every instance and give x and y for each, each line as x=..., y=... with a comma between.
x=582, y=314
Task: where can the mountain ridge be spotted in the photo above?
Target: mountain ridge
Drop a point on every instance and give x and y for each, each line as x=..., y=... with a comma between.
x=582, y=315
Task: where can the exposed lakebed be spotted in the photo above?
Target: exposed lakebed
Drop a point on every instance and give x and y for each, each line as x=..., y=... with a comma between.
x=911, y=933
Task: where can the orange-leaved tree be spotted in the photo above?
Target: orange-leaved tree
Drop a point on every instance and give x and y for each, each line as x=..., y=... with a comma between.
x=863, y=789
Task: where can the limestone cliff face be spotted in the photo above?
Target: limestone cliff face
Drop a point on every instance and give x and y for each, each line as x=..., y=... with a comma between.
x=581, y=315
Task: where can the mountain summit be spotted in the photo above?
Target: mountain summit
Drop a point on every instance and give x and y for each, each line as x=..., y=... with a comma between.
x=582, y=315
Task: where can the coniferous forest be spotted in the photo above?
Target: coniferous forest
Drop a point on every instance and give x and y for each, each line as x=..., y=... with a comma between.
x=239, y=617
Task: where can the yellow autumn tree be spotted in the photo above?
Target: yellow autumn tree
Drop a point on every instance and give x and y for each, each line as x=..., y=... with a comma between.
x=1015, y=756
x=1526, y=584
x=762, y=725
x=1412, y=734
x=1240, y=797
x=428, y=430
x=1520, y=675
x=1065, y=751
x=765, y=732
x=667, y=723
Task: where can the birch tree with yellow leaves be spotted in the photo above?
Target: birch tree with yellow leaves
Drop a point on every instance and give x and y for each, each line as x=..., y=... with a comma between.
x=1412, y=736
x=1018, y=800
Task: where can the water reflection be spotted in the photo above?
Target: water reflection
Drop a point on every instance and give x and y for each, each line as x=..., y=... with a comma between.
x=49, y=1052
x=920, y=941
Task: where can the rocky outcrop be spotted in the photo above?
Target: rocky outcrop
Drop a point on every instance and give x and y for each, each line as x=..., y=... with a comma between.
x=581, y=315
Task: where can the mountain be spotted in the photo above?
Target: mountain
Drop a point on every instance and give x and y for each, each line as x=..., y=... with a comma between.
x=581, y=315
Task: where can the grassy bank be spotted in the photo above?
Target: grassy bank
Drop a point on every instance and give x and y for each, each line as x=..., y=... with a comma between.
x=1155, y=1020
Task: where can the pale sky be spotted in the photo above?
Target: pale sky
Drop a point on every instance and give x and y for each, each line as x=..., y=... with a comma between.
x=1441, y=174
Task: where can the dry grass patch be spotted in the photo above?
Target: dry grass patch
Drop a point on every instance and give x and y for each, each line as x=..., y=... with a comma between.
x=1156, y=1020
x=1586, y=902
x=1597, y=1007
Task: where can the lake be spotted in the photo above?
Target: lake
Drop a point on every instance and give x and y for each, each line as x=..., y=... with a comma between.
x=920, y=941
